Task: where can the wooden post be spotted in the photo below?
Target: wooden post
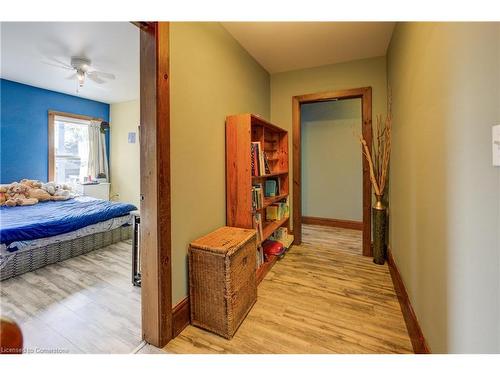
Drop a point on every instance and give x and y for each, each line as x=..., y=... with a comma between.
x=155, y=239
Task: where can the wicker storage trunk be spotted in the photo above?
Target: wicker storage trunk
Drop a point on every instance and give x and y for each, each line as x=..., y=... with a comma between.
x=222, y=284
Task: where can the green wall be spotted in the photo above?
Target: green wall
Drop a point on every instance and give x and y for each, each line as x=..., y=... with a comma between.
x=332, y=176
x=444, y=192
x=212, y=77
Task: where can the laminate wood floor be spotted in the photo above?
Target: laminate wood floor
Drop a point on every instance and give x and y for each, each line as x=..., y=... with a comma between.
x=322, y=297
x=85, y=304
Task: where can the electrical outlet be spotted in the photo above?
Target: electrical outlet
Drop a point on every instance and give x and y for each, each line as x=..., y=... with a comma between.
x=495, y=135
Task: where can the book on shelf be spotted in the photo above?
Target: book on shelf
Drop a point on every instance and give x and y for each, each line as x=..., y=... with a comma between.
x=257, y=196
x=253, y=159
x=259, y=160
x=257, y=220
x=267, y=169
x=272, y=187
x=260, y=256
x=286, y=207
x=278, y=211
x=279, y=234
x=272, y=213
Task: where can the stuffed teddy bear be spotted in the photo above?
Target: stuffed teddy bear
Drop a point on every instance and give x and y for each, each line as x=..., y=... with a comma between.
x=32, y=184
x=35, y=190
x=39, y=194
x=49, y=187
x=29, y=192
x=3, y=194
x=6, y=199
x=58, y=192
x=61, y=195
x=19, y=196
x=63, y=192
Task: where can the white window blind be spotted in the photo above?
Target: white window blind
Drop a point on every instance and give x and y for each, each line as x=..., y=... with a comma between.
x=71, y=141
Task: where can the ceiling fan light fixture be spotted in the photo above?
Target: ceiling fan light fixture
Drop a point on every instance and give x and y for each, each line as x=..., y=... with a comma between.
x=80, y=63
x=83, y=70
x=81, y=77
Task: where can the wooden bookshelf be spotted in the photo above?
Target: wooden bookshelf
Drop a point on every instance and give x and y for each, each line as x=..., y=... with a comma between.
x=241, y=131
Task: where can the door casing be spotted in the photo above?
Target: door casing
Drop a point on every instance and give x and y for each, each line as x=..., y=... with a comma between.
x=365, y=94
x=155, y=206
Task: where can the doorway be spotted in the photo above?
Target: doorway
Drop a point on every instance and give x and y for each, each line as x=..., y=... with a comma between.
x=332, y=187
x=366, y=113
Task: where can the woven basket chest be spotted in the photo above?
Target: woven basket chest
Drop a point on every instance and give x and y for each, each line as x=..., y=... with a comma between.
x=222, y=285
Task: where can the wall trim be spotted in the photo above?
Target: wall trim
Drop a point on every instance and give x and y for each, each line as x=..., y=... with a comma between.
x=415, y=332
x=180, y=317
x=347, y=224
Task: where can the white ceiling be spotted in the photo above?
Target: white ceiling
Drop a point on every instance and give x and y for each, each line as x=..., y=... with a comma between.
x=284, y=46
x=113, y=47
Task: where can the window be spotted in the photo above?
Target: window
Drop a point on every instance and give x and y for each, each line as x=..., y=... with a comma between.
x=72, y=141
x=71, y=149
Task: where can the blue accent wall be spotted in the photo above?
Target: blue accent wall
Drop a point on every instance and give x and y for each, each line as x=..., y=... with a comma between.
x=24, y=127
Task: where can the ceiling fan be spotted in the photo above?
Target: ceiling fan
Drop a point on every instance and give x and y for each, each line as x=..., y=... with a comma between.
x=82, y=68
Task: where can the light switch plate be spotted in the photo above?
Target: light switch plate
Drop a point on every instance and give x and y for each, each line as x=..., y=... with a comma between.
x=496, y=145
x=131, y=137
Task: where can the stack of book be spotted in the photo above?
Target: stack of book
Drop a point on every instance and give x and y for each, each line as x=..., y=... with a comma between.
x=278, y=211
x=259, y=162
x=257, y=196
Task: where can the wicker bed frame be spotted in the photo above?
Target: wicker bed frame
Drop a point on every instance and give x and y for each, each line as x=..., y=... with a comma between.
x=30, y=260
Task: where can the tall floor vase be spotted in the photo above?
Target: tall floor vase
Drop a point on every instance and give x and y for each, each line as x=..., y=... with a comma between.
x=379, y=211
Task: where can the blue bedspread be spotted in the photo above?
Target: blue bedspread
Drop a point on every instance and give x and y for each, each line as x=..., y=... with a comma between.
x=46, y=219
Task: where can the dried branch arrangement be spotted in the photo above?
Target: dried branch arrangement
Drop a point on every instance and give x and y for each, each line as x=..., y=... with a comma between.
x=378, y=159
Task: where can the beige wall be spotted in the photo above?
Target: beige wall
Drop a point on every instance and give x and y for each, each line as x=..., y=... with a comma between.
x=124, y=156
x=212, y=77
x=353, y=74
x=444, y=193
x=332, y=176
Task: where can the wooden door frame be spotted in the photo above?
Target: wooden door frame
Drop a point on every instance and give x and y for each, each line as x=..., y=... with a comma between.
x=155, y=206
x=363, y=93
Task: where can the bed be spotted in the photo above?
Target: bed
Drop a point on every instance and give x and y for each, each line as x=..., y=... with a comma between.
x=35, y=236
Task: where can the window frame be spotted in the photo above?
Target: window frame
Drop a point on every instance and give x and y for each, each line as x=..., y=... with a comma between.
x=51, y=142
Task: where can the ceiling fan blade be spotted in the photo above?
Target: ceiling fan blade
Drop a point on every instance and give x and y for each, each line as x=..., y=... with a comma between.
x=102, y=74
x=58, y=65
x=95, y=79
x=62, y=63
